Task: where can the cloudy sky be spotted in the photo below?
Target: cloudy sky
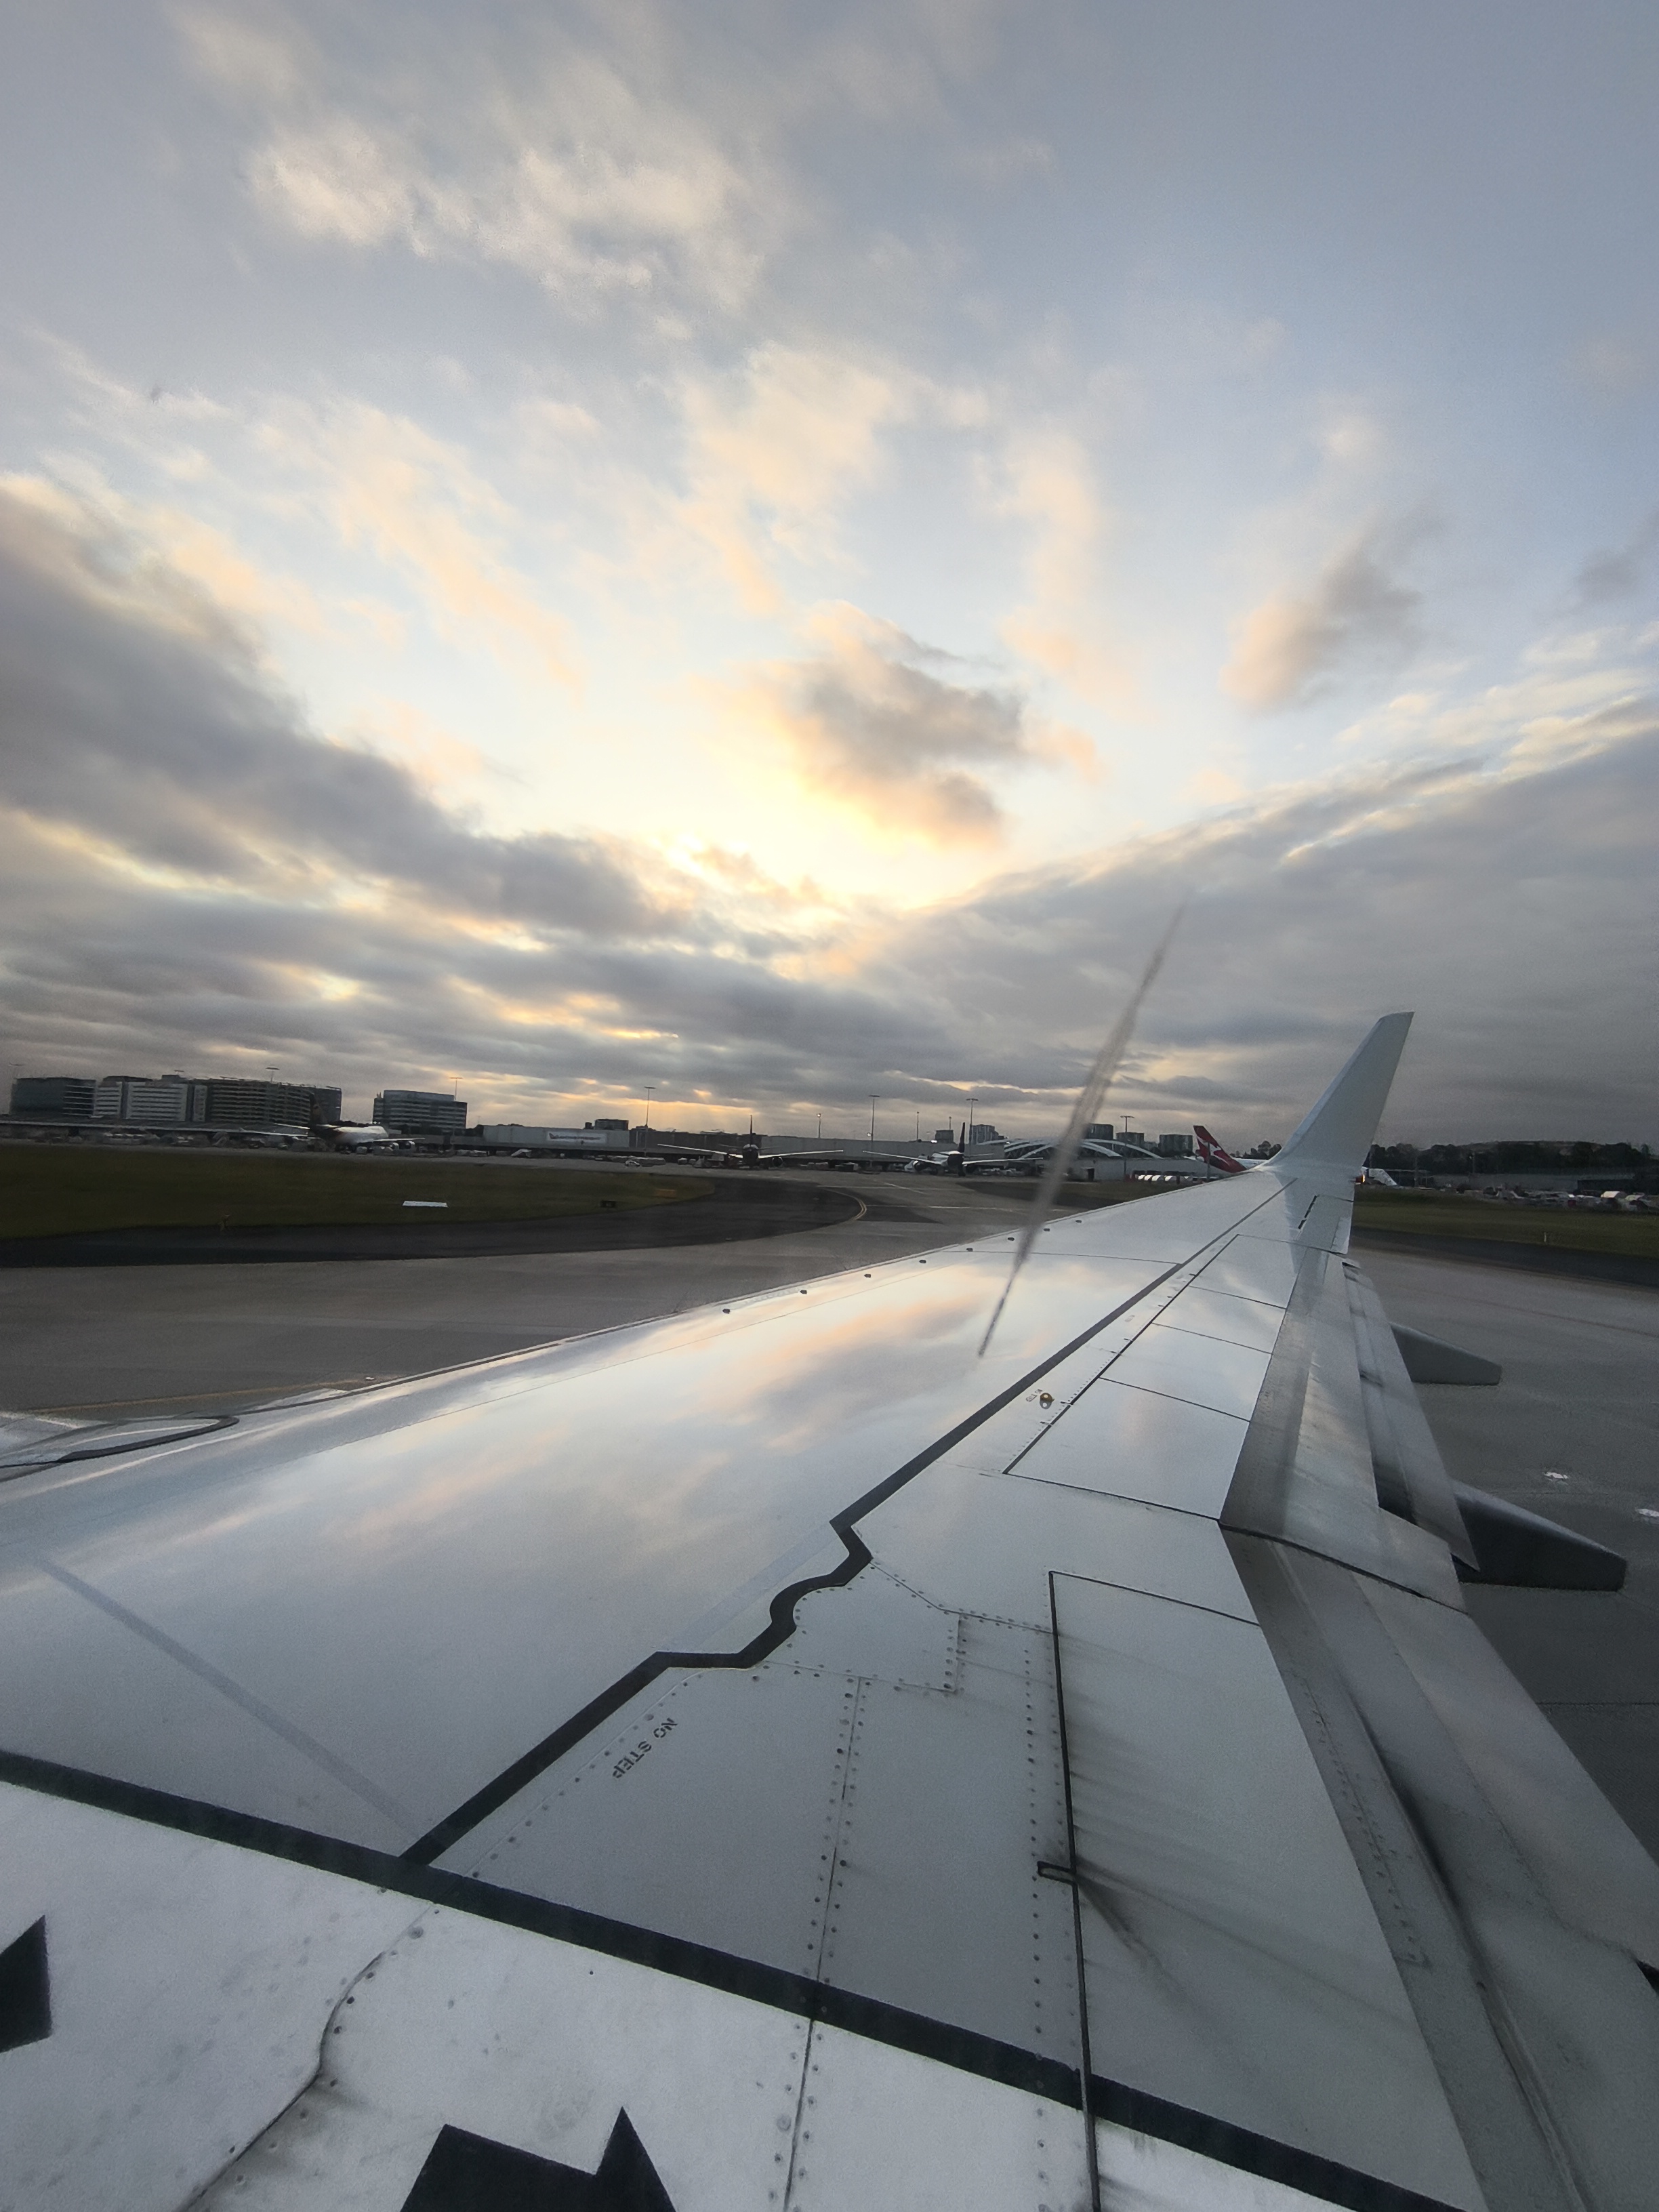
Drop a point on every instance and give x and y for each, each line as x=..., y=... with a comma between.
x=760, y=550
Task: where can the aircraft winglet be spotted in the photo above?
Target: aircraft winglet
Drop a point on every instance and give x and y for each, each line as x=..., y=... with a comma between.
x=1341, y=1127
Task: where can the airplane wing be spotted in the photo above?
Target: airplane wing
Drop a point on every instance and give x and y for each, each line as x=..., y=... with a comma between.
x=773, y=1759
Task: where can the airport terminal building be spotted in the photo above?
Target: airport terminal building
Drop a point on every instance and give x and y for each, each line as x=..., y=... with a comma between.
x=175, y=1101
x=420, y=1113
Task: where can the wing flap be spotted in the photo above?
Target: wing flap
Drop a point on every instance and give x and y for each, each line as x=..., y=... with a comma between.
x=1231, y=1961
x=1304, y=1473
x=1411, y=1479
x=1547, y=2037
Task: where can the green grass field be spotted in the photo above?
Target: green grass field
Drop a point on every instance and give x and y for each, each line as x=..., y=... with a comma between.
x=56, y=1191
x=1436, y=1214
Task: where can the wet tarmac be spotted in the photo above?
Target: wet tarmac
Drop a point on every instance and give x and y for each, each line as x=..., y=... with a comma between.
x=109, y=1341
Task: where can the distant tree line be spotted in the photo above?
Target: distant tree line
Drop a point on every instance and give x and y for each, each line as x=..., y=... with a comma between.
x=1514, y=1158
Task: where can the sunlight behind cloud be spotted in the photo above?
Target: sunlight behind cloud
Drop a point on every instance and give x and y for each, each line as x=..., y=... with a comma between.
x=877, y=723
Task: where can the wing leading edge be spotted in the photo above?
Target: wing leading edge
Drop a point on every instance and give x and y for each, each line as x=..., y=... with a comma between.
x=851, y=1761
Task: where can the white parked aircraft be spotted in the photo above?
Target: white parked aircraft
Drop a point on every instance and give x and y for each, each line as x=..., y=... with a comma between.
x=774, y=1758
x=751, y=1152
x=366, y=1137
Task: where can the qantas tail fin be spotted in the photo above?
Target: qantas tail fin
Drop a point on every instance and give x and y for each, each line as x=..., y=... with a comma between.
x=1212, y=1154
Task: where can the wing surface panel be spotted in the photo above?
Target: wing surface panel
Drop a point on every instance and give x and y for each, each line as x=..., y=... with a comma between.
x=885, y=1819
x=738, y=2107
x=1206, y=1371
x=667, y=1818
x=1232, y=1962
x=1142, y=1443
x=1254, y=1264
x=190, y=1985
x=1226, y=1316
x=522, y=2039
x=986, y=1547
x=939, y=1786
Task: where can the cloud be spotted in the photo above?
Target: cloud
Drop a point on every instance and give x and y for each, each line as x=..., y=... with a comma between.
x=626, y=156
x=195, y=877
x=261, y=61
x=1619, y=571
x=1047, y=480
x=1613, y=366
x=1355, y=615
x=881, y=725
x=137, y=714
x=423, y=509
x=773, y=450
x=575, y=158
x=1511, y=903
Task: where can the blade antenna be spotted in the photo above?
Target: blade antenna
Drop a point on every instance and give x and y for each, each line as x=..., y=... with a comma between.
x=1088, y=1105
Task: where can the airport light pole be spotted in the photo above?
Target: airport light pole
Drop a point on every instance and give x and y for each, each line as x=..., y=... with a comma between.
x=875, y=1098
x=649, y=1088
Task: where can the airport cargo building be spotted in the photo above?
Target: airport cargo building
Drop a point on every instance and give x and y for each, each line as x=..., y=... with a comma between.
x=610, y=1136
